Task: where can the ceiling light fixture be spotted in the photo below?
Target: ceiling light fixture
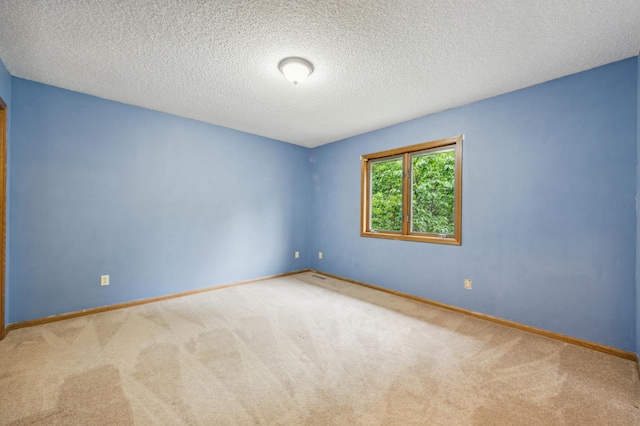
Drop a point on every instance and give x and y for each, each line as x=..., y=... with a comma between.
x=295, y=69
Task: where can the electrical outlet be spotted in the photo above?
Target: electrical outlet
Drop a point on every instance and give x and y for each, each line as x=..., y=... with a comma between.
x=297, y=254
x=104, y=280
x=467, y=284
x=319, y=255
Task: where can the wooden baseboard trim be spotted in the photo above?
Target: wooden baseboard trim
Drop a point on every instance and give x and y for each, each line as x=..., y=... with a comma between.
x=549, y=334
x=92, y=311
x=556, y=336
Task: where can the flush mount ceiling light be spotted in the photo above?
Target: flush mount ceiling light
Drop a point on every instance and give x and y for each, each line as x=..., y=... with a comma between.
x=295, y=69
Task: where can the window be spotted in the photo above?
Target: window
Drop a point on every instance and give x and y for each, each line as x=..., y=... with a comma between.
x=414, y=193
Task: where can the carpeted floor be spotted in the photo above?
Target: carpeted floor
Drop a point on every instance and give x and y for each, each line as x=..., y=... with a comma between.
x=300, y=350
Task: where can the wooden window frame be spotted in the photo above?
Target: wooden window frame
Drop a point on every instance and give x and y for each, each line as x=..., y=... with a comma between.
x=406, y=153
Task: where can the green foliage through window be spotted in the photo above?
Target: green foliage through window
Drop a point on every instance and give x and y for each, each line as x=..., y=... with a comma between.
x=433, y=200
x=386, y=195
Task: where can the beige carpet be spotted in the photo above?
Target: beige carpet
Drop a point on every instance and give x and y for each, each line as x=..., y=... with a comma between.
x=300, y=350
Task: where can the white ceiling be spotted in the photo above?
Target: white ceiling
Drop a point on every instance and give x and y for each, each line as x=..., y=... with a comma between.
x=376, y=62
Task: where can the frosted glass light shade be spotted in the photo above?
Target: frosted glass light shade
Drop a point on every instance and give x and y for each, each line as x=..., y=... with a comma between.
x=295, y=69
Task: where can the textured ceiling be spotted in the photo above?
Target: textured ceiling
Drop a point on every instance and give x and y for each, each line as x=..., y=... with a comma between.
x=377, y=63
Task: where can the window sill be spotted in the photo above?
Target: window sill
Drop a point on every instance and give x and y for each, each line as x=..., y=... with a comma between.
x=414, y=237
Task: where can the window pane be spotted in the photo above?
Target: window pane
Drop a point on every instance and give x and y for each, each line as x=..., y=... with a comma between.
x=432, y=188
x=386, y=195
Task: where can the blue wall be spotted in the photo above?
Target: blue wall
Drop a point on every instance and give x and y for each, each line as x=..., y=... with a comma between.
x=160, y=203
x=638, y=214
x=5, y=94
x=549, y=221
